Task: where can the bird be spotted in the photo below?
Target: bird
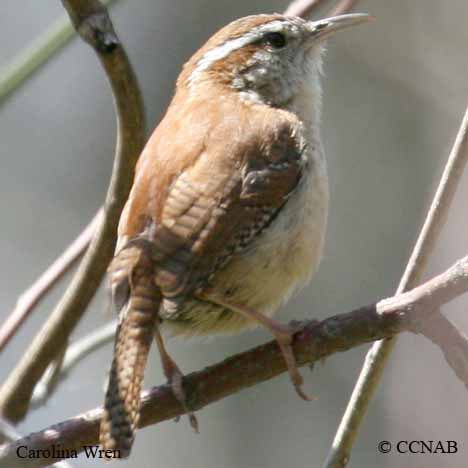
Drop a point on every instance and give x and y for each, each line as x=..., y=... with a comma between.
x=227, y=214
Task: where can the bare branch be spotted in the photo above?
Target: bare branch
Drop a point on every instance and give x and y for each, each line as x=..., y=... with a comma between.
x=302, y=8
x=316, y=341
x=379, y=353
x=305, y=8
x=32, y=296
x=92, y=22
x=53, y=372
x=451, y=341
x=35, y=55
x=345, y=6
x=76, y=352
x=8, y=432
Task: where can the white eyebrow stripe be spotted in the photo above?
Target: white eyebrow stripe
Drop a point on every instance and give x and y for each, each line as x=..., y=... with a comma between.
x=222, y=51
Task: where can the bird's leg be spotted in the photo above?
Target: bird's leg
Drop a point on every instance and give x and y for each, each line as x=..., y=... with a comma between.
x=174, y=377
x=284, y=336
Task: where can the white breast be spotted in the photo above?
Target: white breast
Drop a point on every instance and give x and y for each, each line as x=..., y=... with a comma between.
x=292, y=246
x=286, y=255
x=288, y=252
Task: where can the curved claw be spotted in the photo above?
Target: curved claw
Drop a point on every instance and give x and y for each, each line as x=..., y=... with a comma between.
x=284, y=337
x=175, y=380
x=302, y=394
x=193, y=422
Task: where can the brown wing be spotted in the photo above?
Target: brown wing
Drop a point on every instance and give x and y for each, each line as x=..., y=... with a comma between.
x=219, y=203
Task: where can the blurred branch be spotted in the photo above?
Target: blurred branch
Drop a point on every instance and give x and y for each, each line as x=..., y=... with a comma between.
x=12, y=76
x=379, y=353
x=302, y=8
x=305, y=8
x=92, y=22
x=7, y=432
x=75, y=353
x=315, y=341
x=36, y=54
x=451, y=341
x=36, y=292
x=343, y=7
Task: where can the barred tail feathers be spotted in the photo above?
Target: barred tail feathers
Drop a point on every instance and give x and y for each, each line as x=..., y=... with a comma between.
x=132, y=344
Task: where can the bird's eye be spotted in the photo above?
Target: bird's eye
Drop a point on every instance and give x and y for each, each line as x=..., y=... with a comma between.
x=275, y=40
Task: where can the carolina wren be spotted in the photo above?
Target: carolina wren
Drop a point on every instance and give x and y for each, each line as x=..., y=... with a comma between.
x=228, y=209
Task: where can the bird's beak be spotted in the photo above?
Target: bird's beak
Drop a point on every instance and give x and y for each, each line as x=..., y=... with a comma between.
x=323, y=28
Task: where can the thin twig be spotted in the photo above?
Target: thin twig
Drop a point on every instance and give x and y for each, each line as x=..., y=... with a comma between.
x=379, y=353
x=8, y=432
x=345, y=6
x=314, y=342
x=36, y=54
x=305, y=8
x=55, y=370
x=451, y=341
x=76, y=352
x=12, y=76
x=302, y=8
x=91, y=20
x=37, y=291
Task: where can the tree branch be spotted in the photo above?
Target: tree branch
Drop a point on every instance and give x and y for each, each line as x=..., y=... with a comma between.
x=379, y=353
x=344, y=6
x=302, y=8
x=92, y=22
x=316, y=341
x=37, y=291
x=75, y=353
x=305, y=8
x=451, y=341
x=35, y=54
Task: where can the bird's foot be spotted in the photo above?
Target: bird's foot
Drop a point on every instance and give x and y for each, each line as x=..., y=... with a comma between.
x=284, y=335
x=175, y=380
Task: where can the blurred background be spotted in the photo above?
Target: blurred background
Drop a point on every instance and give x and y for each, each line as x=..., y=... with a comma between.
x=395, y=92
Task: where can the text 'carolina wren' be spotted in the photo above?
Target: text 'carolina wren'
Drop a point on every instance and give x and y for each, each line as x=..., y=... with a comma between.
x=228, y=209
